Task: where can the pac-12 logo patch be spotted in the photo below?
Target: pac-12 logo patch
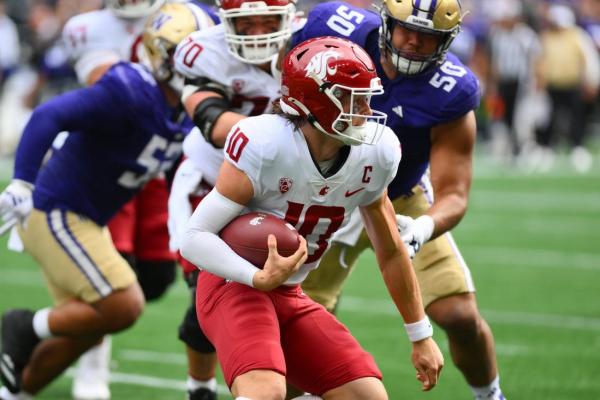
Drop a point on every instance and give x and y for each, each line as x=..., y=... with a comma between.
x=238, y=85
x=285, y=184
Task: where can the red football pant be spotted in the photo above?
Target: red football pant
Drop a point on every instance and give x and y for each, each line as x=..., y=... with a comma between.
x=140, y=227
x=283, y=331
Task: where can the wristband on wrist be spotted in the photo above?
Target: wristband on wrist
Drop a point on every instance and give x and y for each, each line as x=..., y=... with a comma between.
x=419, y=330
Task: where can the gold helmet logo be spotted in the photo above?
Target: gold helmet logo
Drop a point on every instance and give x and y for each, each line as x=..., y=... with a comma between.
x=165, y=29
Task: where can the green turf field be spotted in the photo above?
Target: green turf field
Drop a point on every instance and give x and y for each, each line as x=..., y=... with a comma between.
x=532, y=243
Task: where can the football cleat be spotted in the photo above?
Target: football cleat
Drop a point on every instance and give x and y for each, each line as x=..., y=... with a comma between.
x=18, y=342
x=201, y=394
x=92, y=375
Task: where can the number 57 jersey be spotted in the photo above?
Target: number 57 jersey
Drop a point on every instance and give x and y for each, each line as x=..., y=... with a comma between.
x=122, y=133
x=287, y=182
x=414, y=104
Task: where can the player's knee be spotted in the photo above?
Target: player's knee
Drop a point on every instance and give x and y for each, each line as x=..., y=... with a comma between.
x=191, y=334
x=155, y=277
x=260, y=384
x=459, y=319
x=124, y=309
x=273, y=391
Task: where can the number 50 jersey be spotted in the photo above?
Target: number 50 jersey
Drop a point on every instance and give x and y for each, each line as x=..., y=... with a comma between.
x=275, y=157
x=414, y=104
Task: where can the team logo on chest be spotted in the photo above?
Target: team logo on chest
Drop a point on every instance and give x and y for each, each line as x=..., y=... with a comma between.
x=238, y=85
x=324, y=190
x=285, y=184
x=318, y=64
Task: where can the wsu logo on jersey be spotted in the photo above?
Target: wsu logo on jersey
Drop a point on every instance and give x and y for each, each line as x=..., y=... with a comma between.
x=285, y=184
x=318, y=64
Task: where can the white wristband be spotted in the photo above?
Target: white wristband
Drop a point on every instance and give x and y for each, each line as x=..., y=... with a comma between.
x=419, y=330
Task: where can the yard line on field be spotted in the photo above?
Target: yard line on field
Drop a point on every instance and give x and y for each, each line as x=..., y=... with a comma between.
x=540, y=226
x=376, y=306
x=153, y=356
x=385, y=307
x=534, y=258
x=21, y=277
x=151, y=381
x=536, y=201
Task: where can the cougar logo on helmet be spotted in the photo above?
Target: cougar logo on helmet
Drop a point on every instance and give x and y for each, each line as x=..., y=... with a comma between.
x=318, y=64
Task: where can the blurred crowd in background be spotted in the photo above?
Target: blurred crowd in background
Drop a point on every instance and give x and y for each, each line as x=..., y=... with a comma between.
x=538, y=63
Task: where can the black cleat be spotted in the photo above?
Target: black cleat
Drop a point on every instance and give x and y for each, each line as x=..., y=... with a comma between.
x=18, y=341
x=201, y=394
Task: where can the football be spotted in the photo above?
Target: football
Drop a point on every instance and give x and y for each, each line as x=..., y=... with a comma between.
x=247, y=236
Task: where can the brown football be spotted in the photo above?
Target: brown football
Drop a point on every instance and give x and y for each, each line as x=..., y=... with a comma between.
x=247, y=236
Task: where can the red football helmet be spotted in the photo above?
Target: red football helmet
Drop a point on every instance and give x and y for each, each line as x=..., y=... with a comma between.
x=256, y=49
x=319, y=75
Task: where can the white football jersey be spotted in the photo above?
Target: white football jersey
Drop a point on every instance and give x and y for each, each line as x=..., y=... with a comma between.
x=206, y=158
x=286, y=182
x=204, y=54
x=100, y=37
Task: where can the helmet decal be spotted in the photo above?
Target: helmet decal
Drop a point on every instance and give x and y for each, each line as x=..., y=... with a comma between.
x=318, y=64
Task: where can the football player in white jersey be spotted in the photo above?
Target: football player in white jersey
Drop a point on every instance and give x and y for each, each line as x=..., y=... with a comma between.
x=97, y=40
x=228, y=77
x=323, y=155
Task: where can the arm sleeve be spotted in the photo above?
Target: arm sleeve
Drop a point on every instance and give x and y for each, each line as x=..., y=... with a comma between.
x=79, y=110
x=202, y=246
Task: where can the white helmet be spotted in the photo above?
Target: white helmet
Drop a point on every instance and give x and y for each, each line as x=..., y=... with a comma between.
x=134, y=8
x=256, y=49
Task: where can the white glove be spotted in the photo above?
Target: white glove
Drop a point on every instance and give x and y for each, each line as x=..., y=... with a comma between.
x=414, y=232
x=186, y=181
x=16, y=201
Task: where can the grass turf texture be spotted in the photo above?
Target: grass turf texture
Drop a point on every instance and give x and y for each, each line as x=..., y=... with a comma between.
x=532, y=245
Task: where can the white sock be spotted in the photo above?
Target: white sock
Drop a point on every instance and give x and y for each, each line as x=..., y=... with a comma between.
x=194, y=384
x=40, y=323
x=489, y=391
x=242, y=398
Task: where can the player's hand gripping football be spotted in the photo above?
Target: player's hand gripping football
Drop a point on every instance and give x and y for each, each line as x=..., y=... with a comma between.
x=428, y=361
x=414, y=232
x=278, y=269
x=16, y=202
